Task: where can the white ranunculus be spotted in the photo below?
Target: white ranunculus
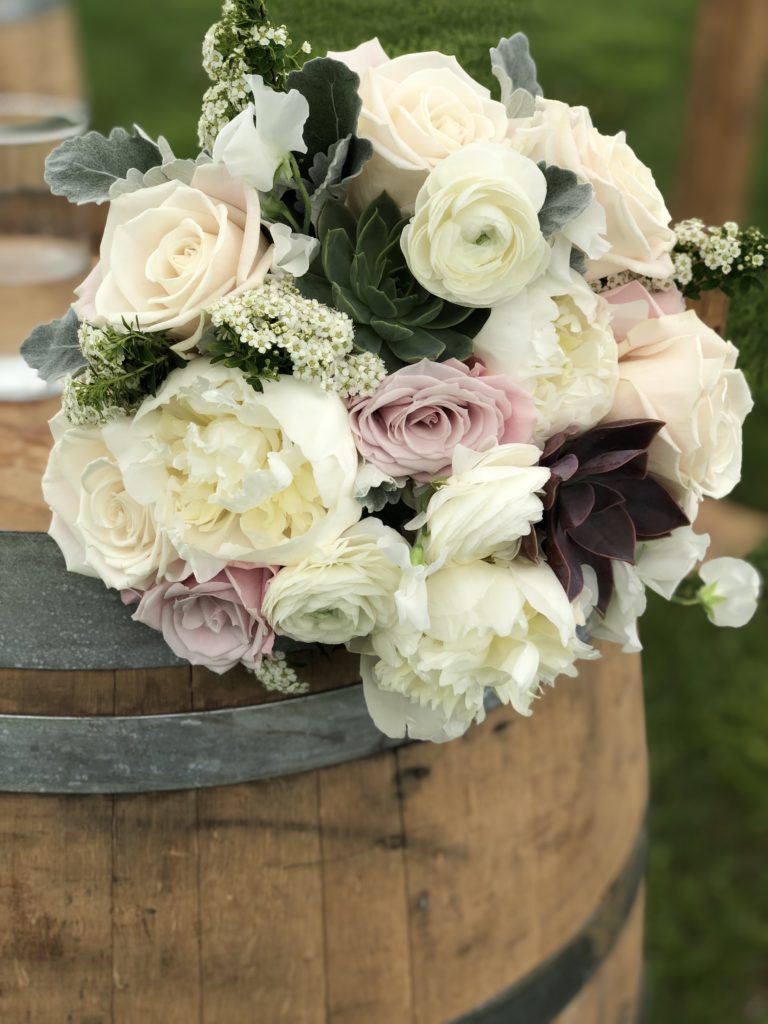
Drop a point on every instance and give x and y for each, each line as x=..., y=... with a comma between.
x=237, y=475
x=171, y=250
x=101, y=530
x=488, y=503
x=627, y=605
x=505, y=628
x=554, y=339
x=344, y=590
x=475, y=237
x=637, y=219
x=253, y=145
x=417, y=110
x=731, y=591
x=678, y=370
x=663, y=564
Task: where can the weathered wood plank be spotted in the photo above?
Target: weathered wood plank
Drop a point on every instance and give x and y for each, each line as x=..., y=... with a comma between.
x=367, y=962
x=155, y=896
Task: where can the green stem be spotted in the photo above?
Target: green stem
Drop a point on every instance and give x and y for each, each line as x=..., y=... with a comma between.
x=302, y=189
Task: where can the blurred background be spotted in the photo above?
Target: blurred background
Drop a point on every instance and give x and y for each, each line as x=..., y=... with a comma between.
x=707, y=690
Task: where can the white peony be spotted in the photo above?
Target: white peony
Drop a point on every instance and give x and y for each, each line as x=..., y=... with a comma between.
x=475, y=237
x=555, y=340
x=637, y=219
x=232, y=474
x=663, y=564
x=344, y=590
x=488, y=503
x=171, y=250
x=101, y=530
x=503, y=628
x=678, y=370
x=253, y=145
x=731, y=591
x=417, y=110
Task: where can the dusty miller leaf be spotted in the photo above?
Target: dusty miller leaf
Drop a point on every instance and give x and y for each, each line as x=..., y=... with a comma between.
x=53, y=349
x=173, y=170
x=84, y=169
x=330, y=88
x=567, y=197
x=513, y=66
x=331, y=172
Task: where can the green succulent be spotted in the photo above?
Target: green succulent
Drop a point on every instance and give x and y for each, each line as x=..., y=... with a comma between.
x=361, y=270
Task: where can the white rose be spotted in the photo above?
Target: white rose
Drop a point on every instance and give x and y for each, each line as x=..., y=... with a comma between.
x=365, y=56
x=253, y=145
x=731, y=591
x=663, y=564
x=417, y=110
x=170, y=250
x=637, y=219
x=506, y=628
x=486, y=506
x=627, y=605
x=475, y=237
x=678, y=370
x=345, y=590
x=233, y=474
x=101, y=530
x=555, y=340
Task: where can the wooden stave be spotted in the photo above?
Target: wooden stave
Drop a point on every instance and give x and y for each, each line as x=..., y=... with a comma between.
x=383, y=830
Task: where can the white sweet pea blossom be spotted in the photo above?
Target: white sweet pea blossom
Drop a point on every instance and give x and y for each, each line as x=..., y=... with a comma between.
x=731, y=591
x=486, y=506
x=663, y=564
x=619, y=624
x=259, y=140
x=504, y=628
x=292, y=252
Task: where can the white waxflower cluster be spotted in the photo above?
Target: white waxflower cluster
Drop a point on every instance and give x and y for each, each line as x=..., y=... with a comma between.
x=222, y=101
x=78, y=412
x=277, y=676
x=104, y=358
x=683, y=264
x=319, y=341
x=265, y=35
x=691, y=232
x=651, y=284
x=721, y=248
x=99, y=348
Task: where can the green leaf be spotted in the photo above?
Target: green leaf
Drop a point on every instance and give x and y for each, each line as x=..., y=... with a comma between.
x=386, y=208
x=420, y=345
x=377, y=302
x=425, y=313
x=53, y=349
x=312, y=286
x=336, y=215
x=372, y=237
x=85, y=168
x=330, y=88
x=347, y=303
x=457, y=345
x=567, y=197
x=391, y=331
x=367, y=339
x=337, y=257
x=512, y=64
x=331, y=172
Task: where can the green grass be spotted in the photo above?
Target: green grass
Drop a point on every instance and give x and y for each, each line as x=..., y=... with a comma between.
x=707, y=692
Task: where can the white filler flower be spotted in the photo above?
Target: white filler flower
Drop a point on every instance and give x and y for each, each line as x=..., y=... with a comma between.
x=731, y=591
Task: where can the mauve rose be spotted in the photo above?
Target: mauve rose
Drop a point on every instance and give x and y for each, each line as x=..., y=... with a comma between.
x=417, y=416
x=217, y=624
x=632, y=304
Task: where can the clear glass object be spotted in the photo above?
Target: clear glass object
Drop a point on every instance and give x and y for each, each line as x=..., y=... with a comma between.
x=44, y=244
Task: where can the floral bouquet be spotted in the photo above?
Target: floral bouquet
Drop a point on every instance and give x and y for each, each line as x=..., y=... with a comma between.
x=393, y=364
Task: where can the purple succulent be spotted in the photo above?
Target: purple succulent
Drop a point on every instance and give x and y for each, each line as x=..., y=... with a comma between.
x=599, y=502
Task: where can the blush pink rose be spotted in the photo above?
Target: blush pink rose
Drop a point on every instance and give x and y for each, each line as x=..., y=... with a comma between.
x=633, y=304
x=217, y=624
x=412, y=423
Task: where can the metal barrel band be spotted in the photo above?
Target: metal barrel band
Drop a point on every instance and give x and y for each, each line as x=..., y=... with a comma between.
x=198, y=750
x=20, y=10
x=541, y=996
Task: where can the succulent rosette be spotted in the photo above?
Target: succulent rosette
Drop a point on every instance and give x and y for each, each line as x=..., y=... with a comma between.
x=396, y=364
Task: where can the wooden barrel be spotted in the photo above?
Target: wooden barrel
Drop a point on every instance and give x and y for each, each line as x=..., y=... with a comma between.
x=44, y=29
x=495, y=879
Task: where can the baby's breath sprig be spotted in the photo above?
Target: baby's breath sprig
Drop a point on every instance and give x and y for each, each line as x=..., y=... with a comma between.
x=243, y=42
x=124, y=367
x=273, y=330
x=727, y=257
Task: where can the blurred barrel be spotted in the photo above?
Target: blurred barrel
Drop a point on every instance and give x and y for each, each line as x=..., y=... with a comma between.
x=493, y=880
x=39, y=51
